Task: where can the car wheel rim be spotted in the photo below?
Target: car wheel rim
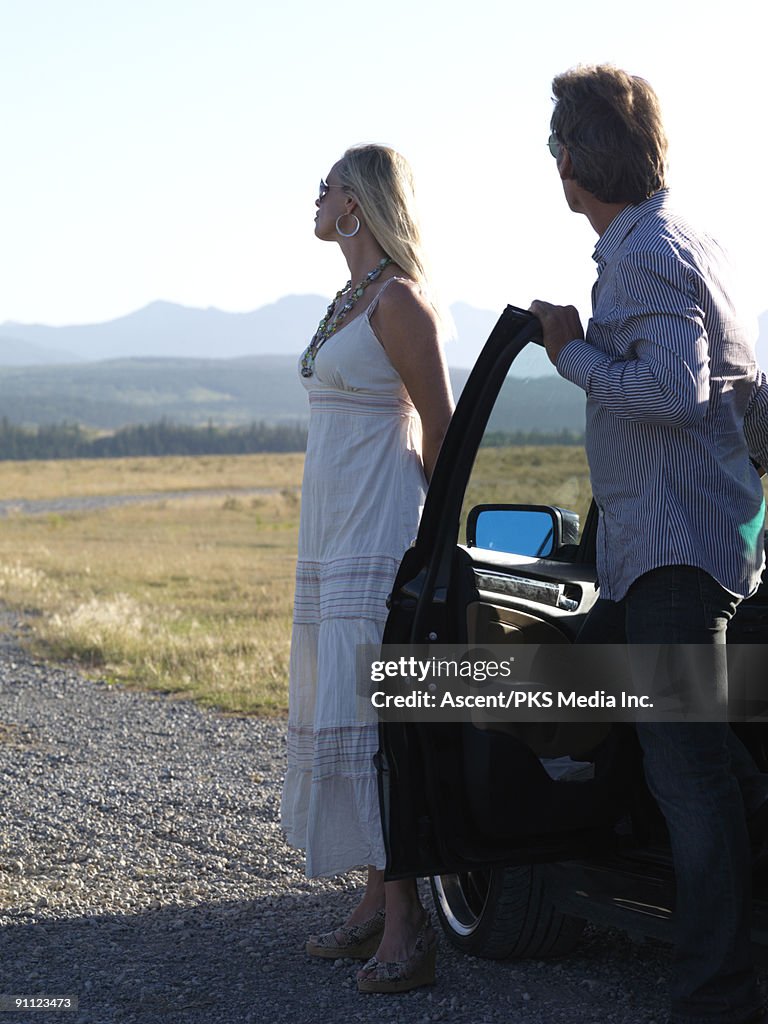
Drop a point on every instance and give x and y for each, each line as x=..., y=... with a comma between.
x=462, y=899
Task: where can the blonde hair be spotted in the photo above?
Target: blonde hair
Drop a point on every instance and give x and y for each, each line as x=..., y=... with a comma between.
x=381, y=181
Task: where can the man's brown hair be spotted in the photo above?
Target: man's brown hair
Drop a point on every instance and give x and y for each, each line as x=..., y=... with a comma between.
x=610, y=123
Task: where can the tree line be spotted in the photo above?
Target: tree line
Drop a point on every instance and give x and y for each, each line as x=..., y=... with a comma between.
x=71, y=441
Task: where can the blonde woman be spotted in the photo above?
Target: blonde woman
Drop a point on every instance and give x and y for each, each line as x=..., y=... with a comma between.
x=380, y=402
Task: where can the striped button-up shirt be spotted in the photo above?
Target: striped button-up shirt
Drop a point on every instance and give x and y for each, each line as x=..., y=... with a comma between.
x=676, y=404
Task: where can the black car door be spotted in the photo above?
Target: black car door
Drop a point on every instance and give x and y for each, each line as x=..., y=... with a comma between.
x=456, y=796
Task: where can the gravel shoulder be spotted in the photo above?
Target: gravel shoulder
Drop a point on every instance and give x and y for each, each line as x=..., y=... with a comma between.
x=142, y=869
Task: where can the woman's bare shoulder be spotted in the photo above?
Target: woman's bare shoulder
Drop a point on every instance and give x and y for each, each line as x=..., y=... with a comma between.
x=404, y=297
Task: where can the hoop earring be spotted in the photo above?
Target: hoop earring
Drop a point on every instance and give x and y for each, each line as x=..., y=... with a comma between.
x=347, y=234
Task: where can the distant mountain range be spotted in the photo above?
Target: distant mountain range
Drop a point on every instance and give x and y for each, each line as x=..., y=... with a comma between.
x=164, y=329
x=194, y=366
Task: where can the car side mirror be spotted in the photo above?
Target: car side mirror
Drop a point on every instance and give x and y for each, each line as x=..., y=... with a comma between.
x=536, y=531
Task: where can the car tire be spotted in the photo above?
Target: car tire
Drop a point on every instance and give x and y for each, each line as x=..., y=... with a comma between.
x=503, y=913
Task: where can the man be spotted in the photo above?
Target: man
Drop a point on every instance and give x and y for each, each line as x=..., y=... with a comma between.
x=676, y=405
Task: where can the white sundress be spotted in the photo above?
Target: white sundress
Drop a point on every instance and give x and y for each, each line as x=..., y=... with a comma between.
x=362, y=495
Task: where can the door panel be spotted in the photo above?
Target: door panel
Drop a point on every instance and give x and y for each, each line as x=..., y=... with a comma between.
x=492, y=623
x=455, y=796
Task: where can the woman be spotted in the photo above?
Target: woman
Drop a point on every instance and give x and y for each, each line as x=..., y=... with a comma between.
x=380, y=402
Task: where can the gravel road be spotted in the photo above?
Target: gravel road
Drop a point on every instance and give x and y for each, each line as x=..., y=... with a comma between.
x=47, y=506
x=142, y=871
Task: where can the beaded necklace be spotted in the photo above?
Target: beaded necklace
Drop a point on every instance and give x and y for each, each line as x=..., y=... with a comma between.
x=328, y=326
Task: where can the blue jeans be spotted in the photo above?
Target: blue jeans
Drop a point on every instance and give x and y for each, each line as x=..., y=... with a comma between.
x=691, y=769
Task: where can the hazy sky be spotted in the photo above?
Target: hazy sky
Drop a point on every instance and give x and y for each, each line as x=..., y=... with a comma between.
x=171, y=149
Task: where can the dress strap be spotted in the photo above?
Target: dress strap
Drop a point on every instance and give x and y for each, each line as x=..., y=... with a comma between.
x=375, y=301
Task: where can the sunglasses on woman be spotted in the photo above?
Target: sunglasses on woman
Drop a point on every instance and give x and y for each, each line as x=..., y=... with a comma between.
x=324, y=186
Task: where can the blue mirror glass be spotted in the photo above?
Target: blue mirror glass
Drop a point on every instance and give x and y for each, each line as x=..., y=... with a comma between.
x=516, y=531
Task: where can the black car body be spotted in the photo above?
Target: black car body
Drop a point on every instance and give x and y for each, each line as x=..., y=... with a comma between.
x=519, y=860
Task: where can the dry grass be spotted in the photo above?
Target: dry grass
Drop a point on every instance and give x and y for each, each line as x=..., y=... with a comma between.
x=55, y=478
x=192, y=596
x=530, y=475
x=195, y=596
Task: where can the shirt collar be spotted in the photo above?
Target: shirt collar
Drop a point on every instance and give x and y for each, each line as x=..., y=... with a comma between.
x=623, y=223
